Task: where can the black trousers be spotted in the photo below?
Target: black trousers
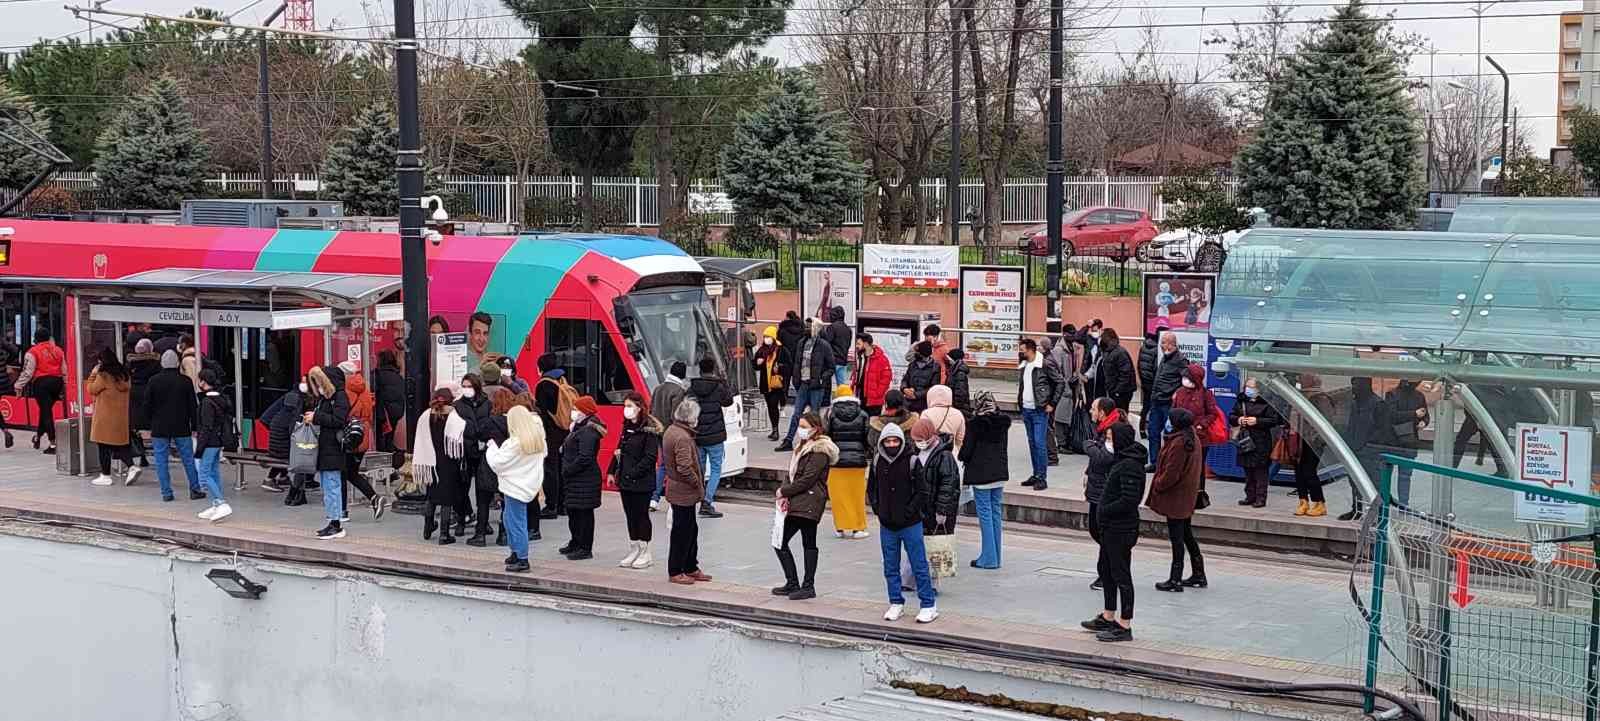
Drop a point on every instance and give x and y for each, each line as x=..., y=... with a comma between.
x=581, y=523
x=354, y=477
x=774, y=402
x=636, y=508
x=555, y=498
x=684, y=550
x=469, y=474
x=1180, y=531
x=807, y=529
x=1116, y=570
x=485, y=485
x=1306, y=483
x=122, y=453
x=47, y=392
x=1094, y=534
x=1255, y=483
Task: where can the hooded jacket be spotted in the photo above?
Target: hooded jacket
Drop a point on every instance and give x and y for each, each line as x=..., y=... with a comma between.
x=1116, y=375
x=1198, y=401
x=713, y=395
x=817, y=367
x=984, y=451
x=1179, y=468
x=873, y=377
x=770, y=365
x=216, y=421
x=945, y=417
x=389, y=394
x=838, y=335
x=791, y=331
x=1124, y=489
x=666, y=397
x=171, y=404
x=681, y=459
x=519, y=475
x=580, y=464
x=921, y=375
x=940, y=478
x=476, y=412
x=280, y=419
x=896, y=496
x=1100, y=459
x=362, y=404
x=904, y=419
x=637, y=453
x=330, y=412
x=958, y=378
x=846, y=423
x=807, y=487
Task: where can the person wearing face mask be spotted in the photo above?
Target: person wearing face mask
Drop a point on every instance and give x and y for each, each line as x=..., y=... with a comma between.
x=1149, y=358
x=634, y=469
x=921, y=374
x=684, y=491
x=436, y=457
x=664, y=402
x=1171, y=366
x=899, y=501
x=1198, y=400
x=847, y=424
x=1111, y=370
x=1256, y=419
x=279, y=418
x=362, y=403
x=770, y=376
x=1173, y=491
x=936, y=469
x=1361, y=433
x=1104, y=414
x=509, y=377
x=1119, y=532
x=473, y=406
x=1089, y=336
x=329, y=411
x=802, y=498
x=548, y=393
x=580, y=474
x=812, y=367
x=711, y=391
x=987, y=471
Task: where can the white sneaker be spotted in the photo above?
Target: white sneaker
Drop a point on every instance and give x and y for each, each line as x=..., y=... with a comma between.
x=927, y=615
x=655, y=506
x=101, y=480
x=207, y=514
x=133, y=475
x=221, y=512
x=645, y=559
x=633, y=555
x=838, y=533
x=858, y=534
x=896, y=610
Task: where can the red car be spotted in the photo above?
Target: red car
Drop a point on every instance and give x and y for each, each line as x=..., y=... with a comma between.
x=1107, y=232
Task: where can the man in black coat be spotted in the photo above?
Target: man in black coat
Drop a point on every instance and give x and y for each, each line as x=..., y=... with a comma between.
x=813, y=378
x=547, y=399
x=839, y=336
x=1109, y=370
x=1171, y=365
x=711, y=391
x=1149, y=356
x=791, y=331
x=389, y=392
x=173, y=412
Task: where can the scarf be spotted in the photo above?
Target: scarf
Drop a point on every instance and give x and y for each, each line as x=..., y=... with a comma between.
x=1111, y=419
x=424, y=458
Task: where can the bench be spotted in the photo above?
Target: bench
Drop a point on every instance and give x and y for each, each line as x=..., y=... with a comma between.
x=252, y=457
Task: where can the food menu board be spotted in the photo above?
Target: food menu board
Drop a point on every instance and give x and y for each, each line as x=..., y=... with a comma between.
x=991, y=299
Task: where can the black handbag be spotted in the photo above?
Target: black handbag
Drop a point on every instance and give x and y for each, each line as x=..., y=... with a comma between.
x=1244, y=442
x=1202, y=500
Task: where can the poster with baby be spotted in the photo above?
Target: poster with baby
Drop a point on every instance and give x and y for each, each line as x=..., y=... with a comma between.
x=1178, y=301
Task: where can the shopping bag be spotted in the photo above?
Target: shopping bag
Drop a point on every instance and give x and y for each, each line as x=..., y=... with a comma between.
x=778, y=515
x=1217, y=430
x=1286, y=449
x=1082, y=430
x=303, y=449
x=941, y=555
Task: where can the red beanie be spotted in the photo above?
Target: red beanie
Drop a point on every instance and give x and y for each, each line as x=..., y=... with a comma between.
x=586, y=406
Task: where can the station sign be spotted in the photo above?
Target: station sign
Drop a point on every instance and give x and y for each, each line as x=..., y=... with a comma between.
x=1559, y=458
x=214, y=317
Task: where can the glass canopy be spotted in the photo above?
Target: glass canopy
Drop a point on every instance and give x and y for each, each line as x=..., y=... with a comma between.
x=1549, y=216
x=1523, y=294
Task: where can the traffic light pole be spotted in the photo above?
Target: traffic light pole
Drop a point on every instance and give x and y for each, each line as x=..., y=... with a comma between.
x=413, y=251
x=1054, y=177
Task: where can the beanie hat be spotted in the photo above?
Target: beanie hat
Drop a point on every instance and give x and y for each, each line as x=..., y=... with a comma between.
x=586, y=406
x=957, y=354
x=924, y=349
x=924, y=430
x=169, y=359
x=443, y=395
x=144, y=346
x=679, y=369
x=490, y=372
x=843, y=391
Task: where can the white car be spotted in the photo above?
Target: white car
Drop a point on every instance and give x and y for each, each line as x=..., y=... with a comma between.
x=1182, y=249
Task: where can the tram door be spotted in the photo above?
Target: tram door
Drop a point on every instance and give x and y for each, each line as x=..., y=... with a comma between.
x=269, y=367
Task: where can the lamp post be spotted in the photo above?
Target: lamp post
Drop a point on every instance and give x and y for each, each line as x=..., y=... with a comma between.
x=1505, y=122
x=1054, y=176
x=413, y=247
x=1430, y=163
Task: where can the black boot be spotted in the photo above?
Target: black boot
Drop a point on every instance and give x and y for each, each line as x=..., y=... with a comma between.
x=445, y=538
x=479, y=539
x=808, y=587
x=429, y=522
x=790, y=575
x=500, y=536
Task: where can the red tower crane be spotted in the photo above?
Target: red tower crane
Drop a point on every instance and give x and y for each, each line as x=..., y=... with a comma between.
x=300, y=15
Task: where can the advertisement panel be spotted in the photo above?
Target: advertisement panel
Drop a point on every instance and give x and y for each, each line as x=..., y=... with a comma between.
x=992, y=299
x=826, y=285
x=1556, y=457
x=910, y=266
x=1179, y=301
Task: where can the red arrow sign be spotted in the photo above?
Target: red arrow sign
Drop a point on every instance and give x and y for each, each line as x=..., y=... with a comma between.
x=1463, y=572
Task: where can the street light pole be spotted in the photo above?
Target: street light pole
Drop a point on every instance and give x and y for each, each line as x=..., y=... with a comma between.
x=952, y=190
x=1505, y=123
x=1054, y=170
x=265, y=83
x=413, y=251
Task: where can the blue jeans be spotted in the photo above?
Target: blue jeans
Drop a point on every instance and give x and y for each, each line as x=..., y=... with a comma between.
x=1402, y=485
x=1156, y=426
x=1037, y=422
x=910, y=538
x=711, y=461
x=841, y=374
x=333, y=494
x=185, y=448
x=661, y=481
x=210, y=474
x=516, y=524
x=990, y=515
x=804, y=399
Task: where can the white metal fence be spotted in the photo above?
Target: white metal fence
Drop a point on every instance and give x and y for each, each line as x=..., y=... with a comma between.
x=633, y=199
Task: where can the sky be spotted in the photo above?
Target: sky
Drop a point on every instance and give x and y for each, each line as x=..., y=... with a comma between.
x=1521, y=34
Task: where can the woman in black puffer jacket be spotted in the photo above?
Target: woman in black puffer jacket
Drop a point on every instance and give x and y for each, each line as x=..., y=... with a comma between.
x=1119, y=531
x=984, y=455
x=580, y=477
x=1104, y=413
x=475, y=407
x=846, y=423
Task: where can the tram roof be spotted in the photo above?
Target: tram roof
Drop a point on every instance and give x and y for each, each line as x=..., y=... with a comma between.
x=1477, y=292
x=344, y=291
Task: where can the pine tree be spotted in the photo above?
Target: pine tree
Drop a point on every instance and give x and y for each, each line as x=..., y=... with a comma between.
x=1340, y=145
x=18, y=166
x=152, y=155
x=359, y=169
x=789, y=163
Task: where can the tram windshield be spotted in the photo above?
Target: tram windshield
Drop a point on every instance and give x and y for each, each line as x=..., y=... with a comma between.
x=676, y=324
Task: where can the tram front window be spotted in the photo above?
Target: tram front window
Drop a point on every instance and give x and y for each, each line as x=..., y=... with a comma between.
x=676, y=324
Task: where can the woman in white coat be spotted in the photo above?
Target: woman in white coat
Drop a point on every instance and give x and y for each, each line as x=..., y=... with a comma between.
x=519, y=462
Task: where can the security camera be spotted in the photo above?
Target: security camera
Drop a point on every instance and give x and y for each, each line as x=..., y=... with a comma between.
x=437, y=203
x=1220, y=368
x=433, y=236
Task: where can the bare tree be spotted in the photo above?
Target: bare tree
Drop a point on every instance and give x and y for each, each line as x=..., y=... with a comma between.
x=510, y=124
x=1463, y=120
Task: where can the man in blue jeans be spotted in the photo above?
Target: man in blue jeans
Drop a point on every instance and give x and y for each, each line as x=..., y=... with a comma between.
x=171, y=403
x=1171, y=365
x=813, y=372
x=711, y=391
x=897, y=500
x=1039, y=388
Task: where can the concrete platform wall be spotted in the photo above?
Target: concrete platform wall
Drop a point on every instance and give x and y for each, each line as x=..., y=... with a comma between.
x=99, y=627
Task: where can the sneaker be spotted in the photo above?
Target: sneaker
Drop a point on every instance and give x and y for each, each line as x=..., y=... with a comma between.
x=334, y=530
x=858, y=534
x=896, y=610
x=1150, y=468
x=708, y=510
x=1115, y=635
x=50, y=451
x=221, y=512
x=803, y=593
x=101, y=480
x=207, y=514
x=273, y=486
x=1098, y=585
x=379, y=505
x=197, y=495
x=928, y=615
x=132, y=475
x=839, y=534
x=518, y=566
x=1098, y=624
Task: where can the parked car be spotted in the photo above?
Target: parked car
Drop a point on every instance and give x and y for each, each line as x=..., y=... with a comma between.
x=1181, y=248
x=1107, y=232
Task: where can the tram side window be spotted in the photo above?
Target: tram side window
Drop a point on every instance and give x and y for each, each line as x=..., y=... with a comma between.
x=589, y=356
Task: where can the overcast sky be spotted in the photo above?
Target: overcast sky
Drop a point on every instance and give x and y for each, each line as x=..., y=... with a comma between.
x=1522, y=34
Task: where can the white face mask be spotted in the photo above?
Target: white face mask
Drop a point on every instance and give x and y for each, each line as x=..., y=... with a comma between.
x=304, y=389
x=803, y=434
x=1110, y=448
x=1188, y=383
x=629, y=412
x=924, y=445
x=577, y=416
x=1094, y=334
x=469, y=392
x=766, y=341
x=508, y=373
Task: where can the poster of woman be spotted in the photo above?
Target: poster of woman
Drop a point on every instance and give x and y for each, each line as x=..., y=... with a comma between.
x=826, y=285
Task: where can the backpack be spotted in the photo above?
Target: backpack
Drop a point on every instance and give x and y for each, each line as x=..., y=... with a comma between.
x=566, y=400
x=352, y=435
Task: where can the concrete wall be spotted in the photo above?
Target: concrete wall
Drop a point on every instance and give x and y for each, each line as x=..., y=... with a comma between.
x=111, y=629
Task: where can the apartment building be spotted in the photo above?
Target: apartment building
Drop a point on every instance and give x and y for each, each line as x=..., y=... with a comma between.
x=1579, y=61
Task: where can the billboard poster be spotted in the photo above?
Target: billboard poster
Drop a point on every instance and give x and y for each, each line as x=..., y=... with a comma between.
x=910, y=266
x=825, y=285
x=894, y=343
x=1181, y=302
x=1556, y=457
x=991, y=299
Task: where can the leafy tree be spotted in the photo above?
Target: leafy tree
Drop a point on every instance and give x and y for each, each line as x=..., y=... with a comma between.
x=152, y=155
x=359, y=170
x=76, y=86
x=789, y=163
x=1202, y=205
x=1340, y=145
x=1585, y=144
x=1529, y=177
x=18, y=166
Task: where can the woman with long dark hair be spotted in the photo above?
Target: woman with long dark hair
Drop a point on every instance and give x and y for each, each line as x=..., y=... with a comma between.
x=634, y=471
x=110, y=385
